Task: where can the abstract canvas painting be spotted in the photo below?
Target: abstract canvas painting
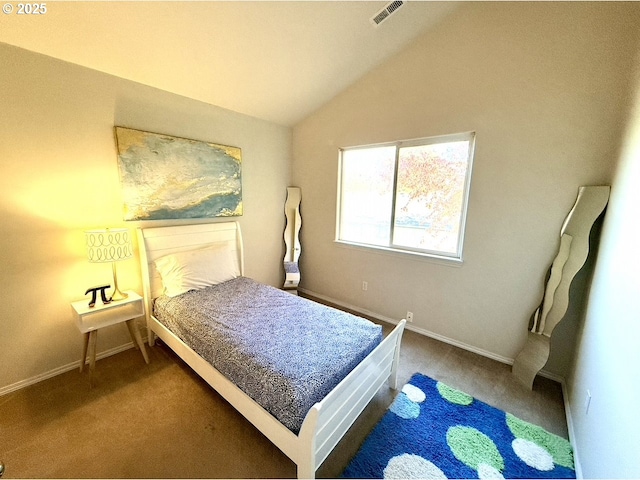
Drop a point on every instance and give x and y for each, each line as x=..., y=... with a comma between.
x=165, y=177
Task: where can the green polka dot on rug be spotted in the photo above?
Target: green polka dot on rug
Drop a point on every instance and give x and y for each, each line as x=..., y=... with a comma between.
x=557, y=447
x=453, y=395
x=474, y=448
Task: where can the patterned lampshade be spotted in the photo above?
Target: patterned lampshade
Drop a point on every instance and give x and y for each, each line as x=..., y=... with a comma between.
x=108, y=245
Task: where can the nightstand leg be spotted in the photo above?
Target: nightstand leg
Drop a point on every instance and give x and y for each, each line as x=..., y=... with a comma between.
x=137, y=339
x=84, y=351
x=93, y=338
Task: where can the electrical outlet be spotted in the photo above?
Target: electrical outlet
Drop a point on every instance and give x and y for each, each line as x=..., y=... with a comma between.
x=365, y=285
x=409, y=317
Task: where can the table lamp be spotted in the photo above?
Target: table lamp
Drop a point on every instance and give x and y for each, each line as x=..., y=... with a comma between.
x=110, y=245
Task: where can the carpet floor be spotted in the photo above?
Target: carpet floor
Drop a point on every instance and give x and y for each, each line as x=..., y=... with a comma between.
x=162, y=421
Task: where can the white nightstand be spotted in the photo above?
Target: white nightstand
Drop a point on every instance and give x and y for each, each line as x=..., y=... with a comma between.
x=90, y=319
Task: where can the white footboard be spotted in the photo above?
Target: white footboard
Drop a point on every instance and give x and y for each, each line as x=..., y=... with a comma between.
x=328, y=420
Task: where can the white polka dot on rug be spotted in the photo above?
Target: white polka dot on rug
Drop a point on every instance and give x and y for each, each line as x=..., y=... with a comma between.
x=533, y=454
x=412, y=466
x=414, y=393
x=486, y=472
x=404, y=407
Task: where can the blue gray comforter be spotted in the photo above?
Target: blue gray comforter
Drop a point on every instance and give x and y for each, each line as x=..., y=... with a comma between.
x=284, y=351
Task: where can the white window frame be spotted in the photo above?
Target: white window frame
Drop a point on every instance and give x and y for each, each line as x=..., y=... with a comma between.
x=391, y=247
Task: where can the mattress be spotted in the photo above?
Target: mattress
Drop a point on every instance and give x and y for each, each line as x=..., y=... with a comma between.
x=284, y=351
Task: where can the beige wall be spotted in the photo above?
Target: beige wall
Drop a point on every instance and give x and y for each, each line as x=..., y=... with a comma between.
x=607, y=355
x=59, y=177
x=543, y=85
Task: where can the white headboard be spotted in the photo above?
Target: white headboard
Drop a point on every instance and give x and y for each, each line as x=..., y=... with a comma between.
x=156, y=242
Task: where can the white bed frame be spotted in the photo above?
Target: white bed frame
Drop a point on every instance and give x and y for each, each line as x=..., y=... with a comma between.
x=328, y=420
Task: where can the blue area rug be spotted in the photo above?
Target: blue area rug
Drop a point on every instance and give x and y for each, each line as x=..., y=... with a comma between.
x=434, y=431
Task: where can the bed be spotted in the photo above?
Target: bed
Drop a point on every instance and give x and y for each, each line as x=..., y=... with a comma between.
x=316, y=400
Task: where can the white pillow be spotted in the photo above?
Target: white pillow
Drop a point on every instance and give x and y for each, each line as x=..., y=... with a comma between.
x=197, y=269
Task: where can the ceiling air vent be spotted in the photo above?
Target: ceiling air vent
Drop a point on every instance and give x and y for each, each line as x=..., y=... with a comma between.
x=386, y=12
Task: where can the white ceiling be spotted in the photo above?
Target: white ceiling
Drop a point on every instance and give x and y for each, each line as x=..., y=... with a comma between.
x=275, y=60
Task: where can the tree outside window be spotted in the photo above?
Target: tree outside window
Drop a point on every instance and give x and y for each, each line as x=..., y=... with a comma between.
x=408, y=196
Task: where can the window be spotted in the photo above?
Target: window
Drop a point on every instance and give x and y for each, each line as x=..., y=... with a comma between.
x=406, y=196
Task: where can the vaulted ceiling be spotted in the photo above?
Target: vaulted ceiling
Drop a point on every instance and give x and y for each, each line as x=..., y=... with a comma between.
x=275, y=60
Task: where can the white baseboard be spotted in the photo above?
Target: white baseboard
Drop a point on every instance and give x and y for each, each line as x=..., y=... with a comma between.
x=570, y=428
x=411, y=327
x=426, y=333
x=63, y=369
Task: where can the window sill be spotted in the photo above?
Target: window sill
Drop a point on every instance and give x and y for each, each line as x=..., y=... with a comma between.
x=394, y=252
